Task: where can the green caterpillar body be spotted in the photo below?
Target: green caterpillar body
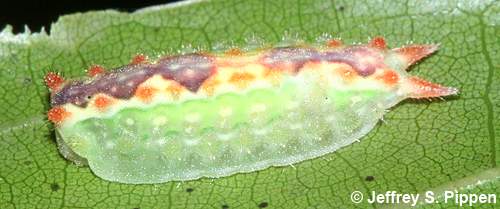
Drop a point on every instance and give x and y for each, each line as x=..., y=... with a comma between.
x=196, y=115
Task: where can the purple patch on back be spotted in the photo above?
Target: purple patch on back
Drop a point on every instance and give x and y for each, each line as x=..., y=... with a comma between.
x=75, y=92
x=295, y=56
x=189, y=70
x=364, y=60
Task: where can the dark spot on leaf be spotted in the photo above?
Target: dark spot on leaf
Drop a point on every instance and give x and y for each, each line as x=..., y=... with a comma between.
x=225, y=206
x=27, y=80
x=263, y=205
x=189, y=190
x=54, y=187
x=136, y=208
x=369, y=178
x=341, y=8
x=27, y=162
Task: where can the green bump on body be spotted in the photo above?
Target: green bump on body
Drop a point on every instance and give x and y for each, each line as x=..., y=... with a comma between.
x=225, y=134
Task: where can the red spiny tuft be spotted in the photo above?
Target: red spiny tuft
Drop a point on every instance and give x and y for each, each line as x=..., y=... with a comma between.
x=53, y=81
x=95, y=70
x=138, y=59
x=233, y=52
x=389, y=77
x=241, y=79
x=102, y=102
x=57, y=114
x=378, y=42
x=145, y=93
x=334, y=43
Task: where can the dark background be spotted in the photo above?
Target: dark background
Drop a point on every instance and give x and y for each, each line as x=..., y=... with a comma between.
x=41, y=13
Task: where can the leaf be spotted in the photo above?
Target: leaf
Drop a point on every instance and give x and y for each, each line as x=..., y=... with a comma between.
x=421, y=146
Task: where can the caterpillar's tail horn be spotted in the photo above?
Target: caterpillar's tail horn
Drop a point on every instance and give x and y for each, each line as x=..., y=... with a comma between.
x=419, y=88
x=411, y=54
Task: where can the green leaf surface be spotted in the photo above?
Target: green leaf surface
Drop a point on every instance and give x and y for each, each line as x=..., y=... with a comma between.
x=421, y=146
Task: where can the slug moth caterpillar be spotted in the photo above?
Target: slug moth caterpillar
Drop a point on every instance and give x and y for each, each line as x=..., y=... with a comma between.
x=201, y=114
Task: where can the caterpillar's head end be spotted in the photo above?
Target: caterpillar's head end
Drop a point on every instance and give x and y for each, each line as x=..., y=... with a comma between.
x=419, y=88
x=53, y=81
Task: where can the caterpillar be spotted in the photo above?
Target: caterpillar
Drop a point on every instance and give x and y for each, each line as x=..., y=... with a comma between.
x=193, y=115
